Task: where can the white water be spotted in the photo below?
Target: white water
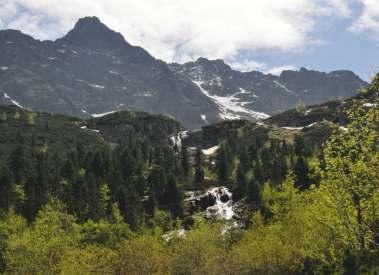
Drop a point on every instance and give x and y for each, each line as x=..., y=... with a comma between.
x=223, y=208
x=177, y=140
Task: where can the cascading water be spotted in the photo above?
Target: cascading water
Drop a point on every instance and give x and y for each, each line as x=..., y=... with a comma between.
x=223, y=207
x=177, y=140
x=216, y=202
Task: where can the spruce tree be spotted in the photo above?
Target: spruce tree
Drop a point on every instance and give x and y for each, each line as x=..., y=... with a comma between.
x=7, y=196
x=199, y=170
x=241, y=179
x=254, y=189
x=185, y=163
x=173, y=197
x=223, y=164
x=302, y=174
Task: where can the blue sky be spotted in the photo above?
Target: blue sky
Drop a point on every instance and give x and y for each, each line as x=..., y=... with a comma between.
x=342, y=49
x=265, y=35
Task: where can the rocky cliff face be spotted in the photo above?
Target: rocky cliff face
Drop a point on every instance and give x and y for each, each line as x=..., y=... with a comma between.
x=257, y=95
x=93, y=70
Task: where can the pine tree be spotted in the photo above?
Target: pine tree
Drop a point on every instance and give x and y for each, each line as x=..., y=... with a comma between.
x=173, y=197
x=185, y=163
x=157, y=181
x=258, y=173
x=199, y=170
x=241, y=179
x=133, y=215
x=266, y=159
x=299, y=145
x=254, y=189
x=245, y=159
x=302, y=174
x=223, y=164
x=18, y=164
x=7, y=196
x=151, y=204
x=31, y=205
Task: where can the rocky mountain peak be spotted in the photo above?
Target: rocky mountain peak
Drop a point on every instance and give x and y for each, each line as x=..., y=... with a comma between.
x=217, y=64
x=14, y=36
x=91, y=32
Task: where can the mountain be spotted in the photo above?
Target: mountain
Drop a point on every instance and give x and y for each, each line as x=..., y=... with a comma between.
x=254, y=94
x=93, y=70
x=313, y=123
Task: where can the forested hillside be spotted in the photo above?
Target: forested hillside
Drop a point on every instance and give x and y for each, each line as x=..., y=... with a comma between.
x=123, y=193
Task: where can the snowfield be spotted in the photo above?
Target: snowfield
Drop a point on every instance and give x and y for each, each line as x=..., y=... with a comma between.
x=6, y=96
x=230, y=107
x=102, y=114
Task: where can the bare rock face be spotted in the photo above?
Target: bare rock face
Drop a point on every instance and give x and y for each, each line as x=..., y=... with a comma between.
x=94, y=70
x=256, y=95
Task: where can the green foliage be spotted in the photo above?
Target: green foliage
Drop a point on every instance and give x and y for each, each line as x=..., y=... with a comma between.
x=74, y=204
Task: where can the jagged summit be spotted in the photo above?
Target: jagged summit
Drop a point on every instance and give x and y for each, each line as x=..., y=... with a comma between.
x=10, y=36
x=91, y=32
x=93, y=70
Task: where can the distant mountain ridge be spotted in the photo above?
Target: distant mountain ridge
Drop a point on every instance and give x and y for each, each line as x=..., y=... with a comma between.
x=94, y=70
x=266, y=93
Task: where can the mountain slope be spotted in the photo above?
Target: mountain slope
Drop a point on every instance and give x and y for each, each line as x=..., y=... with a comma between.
x=93, y=70
x=61, y=134
x=254, y=94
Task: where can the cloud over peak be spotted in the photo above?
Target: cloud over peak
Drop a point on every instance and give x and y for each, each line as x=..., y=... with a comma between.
x=182, y=30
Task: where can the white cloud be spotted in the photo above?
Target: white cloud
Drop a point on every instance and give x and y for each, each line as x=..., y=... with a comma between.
x=247, y=65
x=181, y=30
x=368, y=21
x=278, y=70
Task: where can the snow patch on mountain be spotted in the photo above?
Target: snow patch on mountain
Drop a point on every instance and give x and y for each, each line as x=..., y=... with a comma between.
x=230, y=107
x=367, y=104
x=285, y=88
x=204, y=118
x=96, y=86
x=102, y=114
x=6, y=96
x=210, y=151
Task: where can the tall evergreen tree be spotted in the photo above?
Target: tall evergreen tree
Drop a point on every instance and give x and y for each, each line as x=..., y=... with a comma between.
x=199, y=170
x=302, y=174
x=241, y=179
x=7, y=196
x=223, y=164
x=254, y=189
x=185, y=163
x=173, y=197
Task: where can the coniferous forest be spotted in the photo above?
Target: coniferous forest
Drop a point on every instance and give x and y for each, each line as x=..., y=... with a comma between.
x=110, y=195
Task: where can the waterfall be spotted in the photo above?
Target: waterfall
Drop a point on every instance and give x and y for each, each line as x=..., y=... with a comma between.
x=223, y=206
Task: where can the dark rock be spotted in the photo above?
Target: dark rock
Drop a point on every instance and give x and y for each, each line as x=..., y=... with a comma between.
x=93, y=70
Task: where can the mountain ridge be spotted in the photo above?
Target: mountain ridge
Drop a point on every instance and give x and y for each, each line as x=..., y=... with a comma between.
x=93, y=69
